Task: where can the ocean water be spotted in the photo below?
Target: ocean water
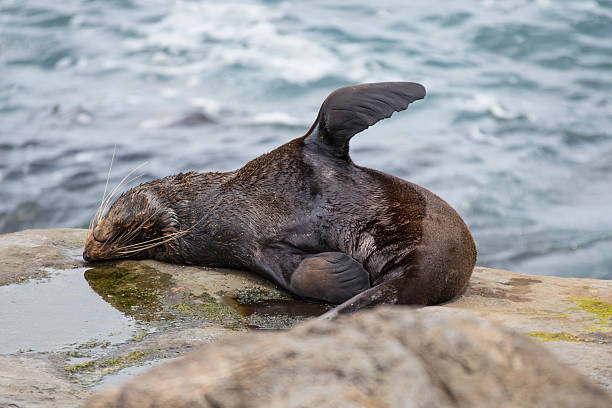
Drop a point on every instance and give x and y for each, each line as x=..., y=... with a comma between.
x=515, y=132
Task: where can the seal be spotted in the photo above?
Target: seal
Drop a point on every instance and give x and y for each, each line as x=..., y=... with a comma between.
x=305, y=217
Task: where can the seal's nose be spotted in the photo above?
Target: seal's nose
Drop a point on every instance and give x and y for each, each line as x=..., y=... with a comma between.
x=86, y=256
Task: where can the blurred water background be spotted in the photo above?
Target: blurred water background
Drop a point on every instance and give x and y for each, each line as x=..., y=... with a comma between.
x=515, y=132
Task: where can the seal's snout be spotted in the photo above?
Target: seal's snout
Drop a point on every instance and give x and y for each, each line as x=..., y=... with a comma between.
x=89, y=251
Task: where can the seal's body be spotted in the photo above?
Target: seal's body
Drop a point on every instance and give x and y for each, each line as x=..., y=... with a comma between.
x=305, y=216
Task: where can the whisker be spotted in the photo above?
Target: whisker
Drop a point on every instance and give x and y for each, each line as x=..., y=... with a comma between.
x=152, y=245
x=91, y=223
x=128, y=235
x=116, y=189
x=113, y=194
x=141, y=246
x=106, y=201
x=118, y=239
x=173, y=235
x=121, y=183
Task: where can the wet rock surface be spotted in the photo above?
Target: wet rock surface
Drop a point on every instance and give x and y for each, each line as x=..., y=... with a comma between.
x=84, y=327
x=387, y=357
x=31, y=253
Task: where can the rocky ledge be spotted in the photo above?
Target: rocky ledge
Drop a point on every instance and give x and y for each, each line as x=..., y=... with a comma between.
x=69, y=329
x=386, y=357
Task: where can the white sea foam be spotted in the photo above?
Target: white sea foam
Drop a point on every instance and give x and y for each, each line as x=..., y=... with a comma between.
x=236, y=34
x=273, y=118
x=209, y=106
x=490, y=103
x=156, y=123
x=84, y=157
x=63, y=63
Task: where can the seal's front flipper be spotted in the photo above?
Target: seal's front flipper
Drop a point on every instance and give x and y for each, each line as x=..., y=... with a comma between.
x=347, y=111
x=331, y=276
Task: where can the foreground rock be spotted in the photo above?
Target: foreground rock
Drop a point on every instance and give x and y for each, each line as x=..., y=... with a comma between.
x=172, y=309
x=391, y=357
x=572, y=317
x=36, y=383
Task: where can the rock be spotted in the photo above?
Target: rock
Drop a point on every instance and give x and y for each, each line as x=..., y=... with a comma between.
x=193, y=118
x=32, y=382
x=391, y=357
x=29, y=253
x=571, y=316
x=179, y=308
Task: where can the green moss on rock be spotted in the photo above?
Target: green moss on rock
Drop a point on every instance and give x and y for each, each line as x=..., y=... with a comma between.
x=119, y=362
x=267, y=321
x=132, y=288
x=107, y=366
x=257, y=294
x=213, y=312
x=205, y=297
x=559, y=336
x=76, y=354
x=93, y=343
x=87, y=366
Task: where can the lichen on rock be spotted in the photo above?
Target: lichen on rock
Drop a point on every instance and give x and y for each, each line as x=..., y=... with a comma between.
x=602, y=311
x=559, y=336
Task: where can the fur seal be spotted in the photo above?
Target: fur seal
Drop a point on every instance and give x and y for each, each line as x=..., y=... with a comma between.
x=304, y=216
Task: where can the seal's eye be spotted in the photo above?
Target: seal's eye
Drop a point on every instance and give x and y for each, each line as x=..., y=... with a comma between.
x=103, y=233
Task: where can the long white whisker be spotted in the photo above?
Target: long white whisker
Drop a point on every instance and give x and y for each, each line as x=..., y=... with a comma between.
x=96, y=215
x=163, y=237
x=114, y=191
x=150, y=244
x=130, y=234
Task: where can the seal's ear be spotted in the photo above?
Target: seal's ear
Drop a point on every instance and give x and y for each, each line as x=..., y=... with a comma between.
x=347, y=111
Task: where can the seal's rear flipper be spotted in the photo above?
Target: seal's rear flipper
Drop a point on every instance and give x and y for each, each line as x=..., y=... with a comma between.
x=330, y=276
x=347, y=111
x=387, y=292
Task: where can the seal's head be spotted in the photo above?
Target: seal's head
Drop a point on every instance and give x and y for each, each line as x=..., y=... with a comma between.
x=137, y=226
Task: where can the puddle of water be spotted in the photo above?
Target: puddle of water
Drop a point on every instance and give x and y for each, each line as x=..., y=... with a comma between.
x=134, y=289
x=86, y=314
x=109, y=304
x=276, y=314
x=122, y=376
x=54, y=313
x=284, y=307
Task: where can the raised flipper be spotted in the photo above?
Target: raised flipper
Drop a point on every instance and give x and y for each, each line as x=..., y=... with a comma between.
x=347, y=111
x=331, y=276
